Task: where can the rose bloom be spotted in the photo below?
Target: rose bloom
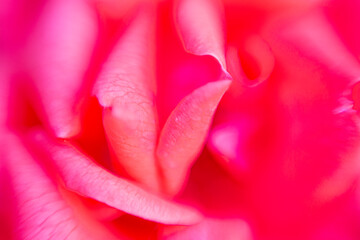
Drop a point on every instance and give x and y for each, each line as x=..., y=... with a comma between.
x=186, y=119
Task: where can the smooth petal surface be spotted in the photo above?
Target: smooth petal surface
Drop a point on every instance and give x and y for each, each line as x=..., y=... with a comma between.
x=4, y=93
x=229, y=142
x=317, y=39
x=210, y=229
x=58, y=56
x=201, y=28
x=276, y=5
x=126, y=88
x=300, y=151
x=38, y=209
x=184, y=133
x=344, y=23
x=82, y=175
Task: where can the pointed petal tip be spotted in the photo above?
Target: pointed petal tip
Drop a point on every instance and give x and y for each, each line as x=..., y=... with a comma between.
x=184, y=133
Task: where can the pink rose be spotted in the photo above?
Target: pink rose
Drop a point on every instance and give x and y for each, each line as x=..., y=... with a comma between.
x=187, y=119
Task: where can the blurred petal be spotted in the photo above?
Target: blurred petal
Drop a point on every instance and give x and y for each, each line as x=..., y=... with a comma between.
x=210, y=229
x=316, y=38
x=300, y=151
x=82, y=175
x=312, y=137
x=59, y=55
x=228, y=141
x=344, y=16
x=125, y=89
x=283, y=5
x=4, y=93
x=201, y=28
x=184, y=133
x=40, y=210
x=252, y=63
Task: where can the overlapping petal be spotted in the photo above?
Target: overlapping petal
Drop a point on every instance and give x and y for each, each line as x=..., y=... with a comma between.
x=184, y=133
x=201, y=28
x=83, y=176
x=126, y=89
x=37, y=208
x=305, y=136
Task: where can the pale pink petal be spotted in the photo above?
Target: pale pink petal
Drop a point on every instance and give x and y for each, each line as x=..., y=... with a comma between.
x=125, y=88
x=210, y=229
x=39, y=209
x=58, y=56
x=82, y=175
x=184, y=133
x=201, y=28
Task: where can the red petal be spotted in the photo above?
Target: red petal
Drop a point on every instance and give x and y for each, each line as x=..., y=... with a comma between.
x=273, y=5
x=4, y=94
x=342, y=15
x=125, y=89
x=82, y=175
x=252, y=63
x=316, y=38
x=60, y=52
x=229, y=143
x=184, y=133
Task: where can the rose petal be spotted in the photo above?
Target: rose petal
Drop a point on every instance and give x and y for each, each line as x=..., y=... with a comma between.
x=252, y=63
x=342, y=14
x=304, y=142
x=125, y=88
x=200, y=27
x=316, y=39
x=210, y=228
x=228, y=141
x=59, y=54
x=282, y=5
x=4, y=93
x=40, y=211
x=185, y=131
x=82, y=175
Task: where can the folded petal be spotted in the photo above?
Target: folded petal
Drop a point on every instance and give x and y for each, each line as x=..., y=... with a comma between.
x=83, y=176
x=184, y=133
x=251, y=63
x=201, y=29
x=126, y=88
x=58, y=56
x=39, y=209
